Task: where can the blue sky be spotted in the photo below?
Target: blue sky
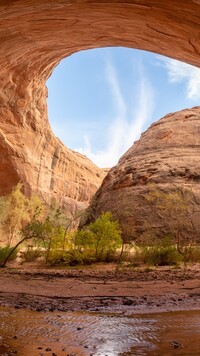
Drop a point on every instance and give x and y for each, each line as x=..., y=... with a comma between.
x=101, y=100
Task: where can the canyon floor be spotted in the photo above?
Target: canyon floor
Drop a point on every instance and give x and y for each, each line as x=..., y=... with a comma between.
x=102, y=288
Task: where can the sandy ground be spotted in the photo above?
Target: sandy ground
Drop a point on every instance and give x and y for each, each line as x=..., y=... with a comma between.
x=101, y=288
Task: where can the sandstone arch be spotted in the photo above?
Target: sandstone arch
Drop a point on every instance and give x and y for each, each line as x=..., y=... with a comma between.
x=34, y=36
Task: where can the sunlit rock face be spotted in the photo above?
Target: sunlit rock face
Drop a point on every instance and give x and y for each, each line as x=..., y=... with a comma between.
x=32, y=154
x=34, y=36
x=165, y=158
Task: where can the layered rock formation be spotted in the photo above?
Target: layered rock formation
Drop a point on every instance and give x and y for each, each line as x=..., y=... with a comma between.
x=30, y=153
x=34, y=36
x=165, y=158
x=33, y=155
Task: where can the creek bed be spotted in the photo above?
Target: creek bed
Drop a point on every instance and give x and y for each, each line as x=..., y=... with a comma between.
x=25, y=332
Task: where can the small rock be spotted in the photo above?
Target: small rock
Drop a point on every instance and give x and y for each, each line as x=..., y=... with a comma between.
x=39, y=309
x=175, y=344
x=128, y=302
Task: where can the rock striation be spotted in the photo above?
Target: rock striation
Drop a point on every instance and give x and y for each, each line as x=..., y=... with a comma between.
x=33, y=155
x=167, y=158
x=35, y=35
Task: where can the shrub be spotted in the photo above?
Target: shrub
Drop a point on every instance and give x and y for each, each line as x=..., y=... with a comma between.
x=5, y=251
x=31, y=254
x=58, y=257
x=191, y=254
x=83, y=258
x=70, y=258
x=96, y=242
x=157, y=256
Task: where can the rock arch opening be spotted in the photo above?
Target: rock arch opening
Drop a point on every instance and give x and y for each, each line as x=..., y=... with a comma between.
x=35, y=35
x=101, y=100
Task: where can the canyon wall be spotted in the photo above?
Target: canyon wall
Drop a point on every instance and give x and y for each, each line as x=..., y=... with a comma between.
x=35, y=35
x=30, y=153
x=165, y=159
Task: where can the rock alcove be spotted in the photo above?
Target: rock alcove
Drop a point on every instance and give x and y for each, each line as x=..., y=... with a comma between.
x=35, y=35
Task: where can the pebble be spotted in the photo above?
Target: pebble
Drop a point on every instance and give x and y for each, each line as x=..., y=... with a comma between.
x=175, y=344
x=128, y=302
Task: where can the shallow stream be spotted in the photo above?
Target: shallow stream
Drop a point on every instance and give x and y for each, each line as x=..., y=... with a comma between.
x=28, y=333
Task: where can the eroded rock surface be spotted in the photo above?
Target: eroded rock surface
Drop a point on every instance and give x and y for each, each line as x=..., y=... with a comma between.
x=34, y=36
x=32, y=154
x=166, y=157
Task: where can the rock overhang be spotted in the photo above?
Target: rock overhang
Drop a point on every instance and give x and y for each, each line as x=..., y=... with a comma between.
x=35, y=35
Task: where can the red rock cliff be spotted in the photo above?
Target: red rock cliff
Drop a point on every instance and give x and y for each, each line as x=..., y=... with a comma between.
x=34, y=36
x=166, y=156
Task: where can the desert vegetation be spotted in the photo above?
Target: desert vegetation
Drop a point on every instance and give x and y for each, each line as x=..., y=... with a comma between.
x=48, y=234
x=51, y=234
x=171, y=233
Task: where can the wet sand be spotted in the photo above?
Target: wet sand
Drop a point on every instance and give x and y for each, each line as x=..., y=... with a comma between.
x=101, y=288
x=32, y=333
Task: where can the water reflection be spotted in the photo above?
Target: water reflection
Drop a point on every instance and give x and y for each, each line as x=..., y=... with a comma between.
x=35, y=333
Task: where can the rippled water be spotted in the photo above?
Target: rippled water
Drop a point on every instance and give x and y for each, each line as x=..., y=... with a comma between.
x=81, y=333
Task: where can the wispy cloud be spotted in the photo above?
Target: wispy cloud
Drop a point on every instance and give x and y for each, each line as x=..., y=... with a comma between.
x=128, y=122
x=180, y=72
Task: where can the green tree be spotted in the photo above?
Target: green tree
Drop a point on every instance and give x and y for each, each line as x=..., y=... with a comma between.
x=25, y=219
x=15, y=211
x=35, y=229
x=43, y=233
x=101, y=238
x=59, y=237
x=66, y=224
